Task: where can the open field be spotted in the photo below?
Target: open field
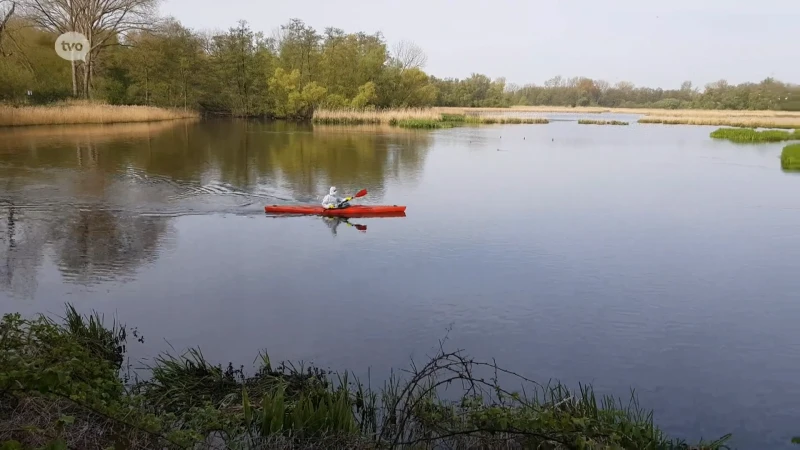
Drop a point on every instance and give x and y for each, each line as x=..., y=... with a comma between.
x=87, y=113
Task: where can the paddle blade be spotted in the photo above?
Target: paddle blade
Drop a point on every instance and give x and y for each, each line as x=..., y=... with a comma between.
x=360, y=193
x=361, y=228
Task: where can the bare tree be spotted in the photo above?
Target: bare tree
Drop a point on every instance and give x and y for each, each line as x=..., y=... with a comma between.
x=7, y=8
x=98, y=20
x=408, y=55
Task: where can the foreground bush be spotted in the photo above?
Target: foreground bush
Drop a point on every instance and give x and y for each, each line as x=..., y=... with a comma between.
x=60, y=386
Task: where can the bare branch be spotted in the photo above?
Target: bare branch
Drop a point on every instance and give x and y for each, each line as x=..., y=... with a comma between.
x=408, y=55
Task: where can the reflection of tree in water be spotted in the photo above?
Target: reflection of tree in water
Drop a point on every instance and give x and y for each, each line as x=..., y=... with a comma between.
x=78, y=188
x=246, y=154
x=22, y=245
x=95, y=246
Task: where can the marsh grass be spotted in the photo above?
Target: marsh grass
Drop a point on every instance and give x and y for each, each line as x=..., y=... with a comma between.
x=87, y=113
x=790, y=157
x=450, y=400
x=418, y=117
x=373, y=116
x=490, y=120
x=731, y=121
x=749, y=135
x=421, y=123
x=601, y=122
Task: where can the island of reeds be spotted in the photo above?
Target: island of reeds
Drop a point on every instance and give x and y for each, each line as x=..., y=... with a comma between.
x=67, y=383
x=415, y=118
x=601, y=122
x=790, y=157
x=750, y=135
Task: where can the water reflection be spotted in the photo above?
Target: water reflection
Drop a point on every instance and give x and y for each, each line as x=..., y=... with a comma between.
x=99, y=199
x=334, y=222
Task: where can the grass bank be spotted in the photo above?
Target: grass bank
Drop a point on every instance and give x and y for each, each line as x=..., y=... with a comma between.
x=601, y=122
x=749, y=135
x=790, y=157
x=86, y=113
x=60, y=385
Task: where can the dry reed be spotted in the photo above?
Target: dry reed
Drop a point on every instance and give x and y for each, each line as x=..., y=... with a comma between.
x=731, y=121
x=87, y=113
x=601, y=122
x=366, y=116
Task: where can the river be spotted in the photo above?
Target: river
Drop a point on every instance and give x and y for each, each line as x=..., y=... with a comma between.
x=642, y=256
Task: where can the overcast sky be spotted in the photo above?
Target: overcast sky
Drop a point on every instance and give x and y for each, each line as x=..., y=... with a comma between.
x=651, y=43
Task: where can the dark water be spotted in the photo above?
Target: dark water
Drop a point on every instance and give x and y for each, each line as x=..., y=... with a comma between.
x=644, y=256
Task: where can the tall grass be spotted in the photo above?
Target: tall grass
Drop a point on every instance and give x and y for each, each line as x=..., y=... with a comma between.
x=749, y=135
x=372, y=116
x=731, y=121
x=417, y=117
x=601, y=122
x=87, y=113
x=790, y=157
x=451, y=401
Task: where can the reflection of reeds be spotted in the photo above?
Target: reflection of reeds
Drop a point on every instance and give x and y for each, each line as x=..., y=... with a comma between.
x=94, y=133
x=85, y=113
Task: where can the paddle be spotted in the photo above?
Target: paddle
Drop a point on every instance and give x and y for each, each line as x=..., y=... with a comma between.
x=360, y=193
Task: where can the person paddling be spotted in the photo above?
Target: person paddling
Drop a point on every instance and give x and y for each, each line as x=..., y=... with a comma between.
x=333, y=201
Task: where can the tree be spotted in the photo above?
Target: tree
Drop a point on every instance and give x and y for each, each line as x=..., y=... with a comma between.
x=408, y=55
x=103, y=22
x=7, y=8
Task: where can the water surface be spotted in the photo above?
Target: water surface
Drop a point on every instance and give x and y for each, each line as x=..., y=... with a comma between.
x=645, y=256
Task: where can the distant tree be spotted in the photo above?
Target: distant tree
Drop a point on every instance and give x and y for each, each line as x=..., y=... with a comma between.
x=408, y=55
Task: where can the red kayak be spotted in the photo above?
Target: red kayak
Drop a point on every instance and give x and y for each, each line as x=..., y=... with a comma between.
x=350, y=211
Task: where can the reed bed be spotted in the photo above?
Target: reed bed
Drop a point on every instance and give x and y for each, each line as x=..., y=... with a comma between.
x=367, y=116
x=750, y=135
x=87, y=113
x=418, y=117
x=601, y=122
x=790, y=157
x=731, y=121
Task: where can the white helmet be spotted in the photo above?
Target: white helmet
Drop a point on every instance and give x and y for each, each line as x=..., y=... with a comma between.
x=333, y=190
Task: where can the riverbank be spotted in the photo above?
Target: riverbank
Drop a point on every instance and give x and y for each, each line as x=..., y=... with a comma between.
x=526, y=114
x=73, y=113
x=61, y=384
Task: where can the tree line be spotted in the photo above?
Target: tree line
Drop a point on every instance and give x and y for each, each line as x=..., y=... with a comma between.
x=136, y=57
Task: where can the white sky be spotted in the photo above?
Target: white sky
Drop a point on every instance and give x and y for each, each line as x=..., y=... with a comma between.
x=650, y=43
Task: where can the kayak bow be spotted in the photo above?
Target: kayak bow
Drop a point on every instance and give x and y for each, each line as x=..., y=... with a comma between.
x=350, y=211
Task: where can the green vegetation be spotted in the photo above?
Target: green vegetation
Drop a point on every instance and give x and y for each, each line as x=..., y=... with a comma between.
x=790, y=157
x=749, y=135
x=60, y=388
x=242, y=72
x=421, y=123
x=601, y=122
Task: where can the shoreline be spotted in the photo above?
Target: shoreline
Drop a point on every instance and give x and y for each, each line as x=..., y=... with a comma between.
x=76, y=365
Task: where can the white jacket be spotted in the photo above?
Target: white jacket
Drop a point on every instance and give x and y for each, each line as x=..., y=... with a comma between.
x=331, y=199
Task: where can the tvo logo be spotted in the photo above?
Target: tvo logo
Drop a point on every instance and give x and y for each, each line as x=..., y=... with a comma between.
x=72, y=46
